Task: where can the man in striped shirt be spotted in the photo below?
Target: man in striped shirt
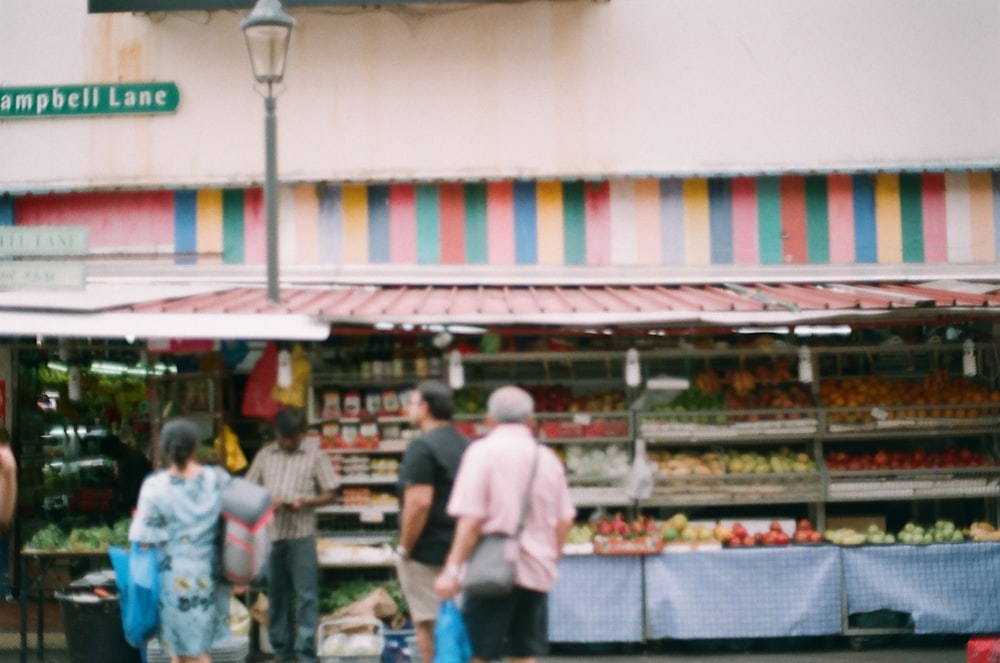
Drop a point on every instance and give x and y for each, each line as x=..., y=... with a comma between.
x=300, y=476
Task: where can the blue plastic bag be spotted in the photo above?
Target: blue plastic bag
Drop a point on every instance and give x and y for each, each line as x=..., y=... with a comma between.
x=451, y=641
x=138, y=579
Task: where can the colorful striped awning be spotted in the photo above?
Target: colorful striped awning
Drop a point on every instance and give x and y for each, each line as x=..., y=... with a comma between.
x=591, y=305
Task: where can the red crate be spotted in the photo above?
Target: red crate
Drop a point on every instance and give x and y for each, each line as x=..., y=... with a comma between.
x=983, y=649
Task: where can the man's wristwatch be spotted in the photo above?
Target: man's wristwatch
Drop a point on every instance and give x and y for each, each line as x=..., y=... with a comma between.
x=402, y=552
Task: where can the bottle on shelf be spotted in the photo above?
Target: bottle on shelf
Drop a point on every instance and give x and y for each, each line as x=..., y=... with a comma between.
x=420, y=366
x=435, y=362
x=367, y=361
x=398, y=361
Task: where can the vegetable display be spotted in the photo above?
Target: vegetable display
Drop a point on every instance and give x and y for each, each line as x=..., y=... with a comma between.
x=52, y=538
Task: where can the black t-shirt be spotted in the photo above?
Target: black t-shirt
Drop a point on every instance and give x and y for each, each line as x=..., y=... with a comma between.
x=133, y=467
x=433, y=459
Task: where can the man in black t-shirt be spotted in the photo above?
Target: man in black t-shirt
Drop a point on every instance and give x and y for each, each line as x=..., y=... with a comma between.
x=425, y=529
x=131, y=468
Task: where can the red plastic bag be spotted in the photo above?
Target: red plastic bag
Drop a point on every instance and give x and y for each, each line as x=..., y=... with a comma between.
x=258, y=401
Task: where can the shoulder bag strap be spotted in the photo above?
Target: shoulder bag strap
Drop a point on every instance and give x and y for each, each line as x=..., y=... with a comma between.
x=527, y=494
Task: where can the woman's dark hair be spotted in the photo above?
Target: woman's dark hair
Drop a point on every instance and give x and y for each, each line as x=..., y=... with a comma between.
x=178, y=441
x=439, y=397
x=290, y=421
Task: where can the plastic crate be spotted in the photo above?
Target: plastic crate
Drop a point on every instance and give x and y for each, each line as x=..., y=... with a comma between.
x=983, y=649
x=350, y=640
x=234, y=650
x=400, y=646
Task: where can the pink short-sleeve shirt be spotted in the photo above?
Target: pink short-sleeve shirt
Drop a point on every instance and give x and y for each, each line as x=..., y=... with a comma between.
x=490, y=486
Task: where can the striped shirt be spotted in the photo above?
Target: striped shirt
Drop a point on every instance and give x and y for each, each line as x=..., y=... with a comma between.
x=303, y=473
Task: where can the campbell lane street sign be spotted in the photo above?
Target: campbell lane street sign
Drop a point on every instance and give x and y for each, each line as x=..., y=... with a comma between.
x=78, y=100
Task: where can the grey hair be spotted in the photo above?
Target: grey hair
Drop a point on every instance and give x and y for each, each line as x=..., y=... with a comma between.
x=178, y=441
x=511, y=405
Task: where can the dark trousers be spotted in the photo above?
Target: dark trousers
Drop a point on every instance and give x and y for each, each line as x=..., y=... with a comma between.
x=293, y=571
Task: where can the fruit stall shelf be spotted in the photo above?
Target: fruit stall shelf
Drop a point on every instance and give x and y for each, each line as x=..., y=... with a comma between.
x=611, y=496
x=726, y=425
x=772, y=488
x=956, y=482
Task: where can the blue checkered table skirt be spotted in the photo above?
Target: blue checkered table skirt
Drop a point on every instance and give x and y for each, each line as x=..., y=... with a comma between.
x=945, y=587
x=774, y=592
x=744, y=593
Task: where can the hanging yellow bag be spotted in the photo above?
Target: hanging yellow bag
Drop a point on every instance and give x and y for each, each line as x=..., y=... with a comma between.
x=228, y=450
x=296, y=393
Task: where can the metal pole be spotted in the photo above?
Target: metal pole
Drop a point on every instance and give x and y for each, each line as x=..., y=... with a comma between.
x=271, y=196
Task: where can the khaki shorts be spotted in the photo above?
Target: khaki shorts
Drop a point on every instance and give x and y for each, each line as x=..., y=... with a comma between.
x=417, y=581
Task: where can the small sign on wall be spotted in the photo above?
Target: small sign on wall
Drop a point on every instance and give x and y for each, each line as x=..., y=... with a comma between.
x=78, y=100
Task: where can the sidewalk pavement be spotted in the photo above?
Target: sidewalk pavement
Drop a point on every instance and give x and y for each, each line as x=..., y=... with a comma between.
x=890, y=649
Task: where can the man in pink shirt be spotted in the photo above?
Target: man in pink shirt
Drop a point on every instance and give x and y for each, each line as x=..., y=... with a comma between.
x=487, y=498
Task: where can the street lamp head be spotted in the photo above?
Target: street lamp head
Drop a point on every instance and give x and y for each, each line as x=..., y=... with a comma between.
x=268, y=31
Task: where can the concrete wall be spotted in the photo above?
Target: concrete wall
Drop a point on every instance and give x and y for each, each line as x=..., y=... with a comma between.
x=540, y=89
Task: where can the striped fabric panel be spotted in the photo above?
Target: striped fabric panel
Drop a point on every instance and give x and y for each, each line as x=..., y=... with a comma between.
x=888, y=219
x=331, y=225
x=525, y=223
x=6, y=210
x=551, y=242
x=957, y=215
x=672, y=235
x=403, y=223
x=746, y=235
x=697, y=237
x=817, y=220
x=911, y=217
x=981, y=217
x=935, y=216
x=428, y=225
x=209, y=229
x=574, y=223
x=838, y=219
x=720, y=220
x=232, y=227
x=769, y=218
x=130, y=221
x=623, y=233
x=996, y=217
x=647, y=221
x=451, y=207
x=476, y=229
x=379, y=250
x=186, y=226
x=305, y=228
x=597, y=204
x=354, y=199
x=795, y=242
x=865, y=233
x=500, y=222
x=840, y=211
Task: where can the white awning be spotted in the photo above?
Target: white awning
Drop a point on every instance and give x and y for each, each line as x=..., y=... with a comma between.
x=129, y=326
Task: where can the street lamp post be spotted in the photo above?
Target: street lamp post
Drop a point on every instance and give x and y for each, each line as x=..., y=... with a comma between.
x=268, y=31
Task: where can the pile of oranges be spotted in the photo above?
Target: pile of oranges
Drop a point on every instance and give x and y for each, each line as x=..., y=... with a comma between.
x=938, y=395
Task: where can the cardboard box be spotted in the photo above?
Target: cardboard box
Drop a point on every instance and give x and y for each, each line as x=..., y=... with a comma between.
x=856, y=523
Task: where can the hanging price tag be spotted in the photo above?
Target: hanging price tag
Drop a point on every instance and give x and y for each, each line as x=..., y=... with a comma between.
x=371, y=516
x=879, y=414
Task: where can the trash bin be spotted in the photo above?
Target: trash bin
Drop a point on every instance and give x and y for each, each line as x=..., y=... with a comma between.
x=93, y=627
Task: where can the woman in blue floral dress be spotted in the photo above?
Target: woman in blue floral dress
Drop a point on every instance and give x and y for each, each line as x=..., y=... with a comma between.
x=178, y=513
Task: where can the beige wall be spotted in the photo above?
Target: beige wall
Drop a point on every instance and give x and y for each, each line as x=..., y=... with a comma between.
x=538, y=89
